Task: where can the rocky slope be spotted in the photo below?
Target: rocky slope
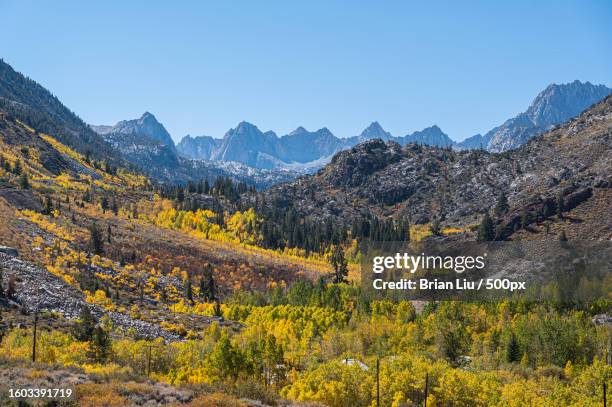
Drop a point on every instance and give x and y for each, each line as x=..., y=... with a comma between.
x=37, y=290
x=26, y=100
x=425, y=183
x=197, y=148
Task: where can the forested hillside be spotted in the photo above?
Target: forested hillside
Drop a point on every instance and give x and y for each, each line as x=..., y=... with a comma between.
x=211, y=293
x=35, y=106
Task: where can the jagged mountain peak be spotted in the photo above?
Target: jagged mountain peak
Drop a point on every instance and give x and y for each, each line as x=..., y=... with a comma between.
x=299, y=130
x=432, y=135
x=554, y=105
x=559, y=102
x=148, y=117
x=146, y=126
x=375, y=130
x=246, y=127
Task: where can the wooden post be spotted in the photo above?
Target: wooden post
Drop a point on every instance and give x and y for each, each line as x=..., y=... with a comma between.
x=149, y=359
x=34, y=337
x=426, y=388
x=604, y=394
x=149, y=363
x=377, y=382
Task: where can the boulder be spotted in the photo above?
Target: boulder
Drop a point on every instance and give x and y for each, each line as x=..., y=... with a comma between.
x=9, y=251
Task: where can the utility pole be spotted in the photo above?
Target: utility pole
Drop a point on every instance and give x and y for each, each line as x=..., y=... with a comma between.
x=426, y=388
x=377, y=382
x=34, y=337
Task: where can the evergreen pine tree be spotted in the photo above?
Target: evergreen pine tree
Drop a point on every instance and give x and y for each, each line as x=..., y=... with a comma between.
x=525, y=219
x=96, y=241
x=217, y=309
x=207, y=285
x=485, y=229
x=24, y=182
x=48, y=206
x=100, y=345
x=115, y=207
x=406, y=231
x=84, y=328
x=435, y=227
x=104, y=204
x=502, y=204
x=17, y=167
x=188, y=289
x=339, y=263
x=513, y=351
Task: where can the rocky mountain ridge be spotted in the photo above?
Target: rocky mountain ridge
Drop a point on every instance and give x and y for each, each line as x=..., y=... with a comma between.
x=300, y=150
x=146, y=126
x=553, y=106
x=28, y=101
x=304, y=149
x=424, y=183
x=260, y=158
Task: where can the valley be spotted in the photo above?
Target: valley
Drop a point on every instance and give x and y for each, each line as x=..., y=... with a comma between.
x=162, y=280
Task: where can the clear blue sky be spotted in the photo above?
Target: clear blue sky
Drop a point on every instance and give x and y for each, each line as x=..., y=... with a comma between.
x=201, y=67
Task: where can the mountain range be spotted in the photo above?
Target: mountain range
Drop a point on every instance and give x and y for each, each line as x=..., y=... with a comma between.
x=142, y=144
x=304, y=149
x=300, y=149
x=249, y=154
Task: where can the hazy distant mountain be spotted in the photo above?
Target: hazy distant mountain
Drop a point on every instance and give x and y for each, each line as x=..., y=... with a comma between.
x=248, y=145
x=198, y=148
x=374, y=131
x=303, y=146
x=470, y=143
x=432, y=136
x=306, y=151
x=554, y=105
x=146, y=143
x=299, y=150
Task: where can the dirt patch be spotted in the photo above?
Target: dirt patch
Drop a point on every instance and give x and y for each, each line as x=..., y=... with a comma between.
x=20, y=199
